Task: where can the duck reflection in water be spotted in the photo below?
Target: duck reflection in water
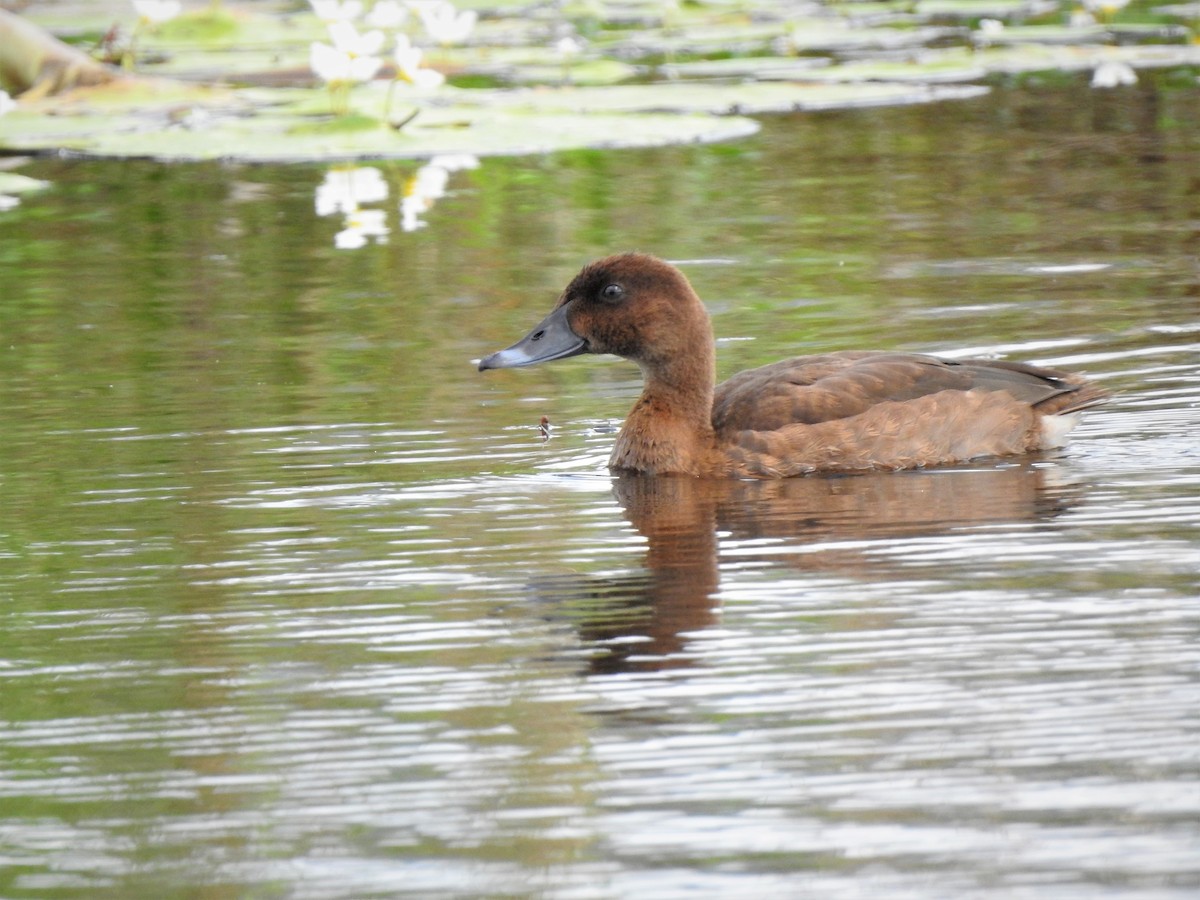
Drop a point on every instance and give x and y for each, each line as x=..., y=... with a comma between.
x=643, y=621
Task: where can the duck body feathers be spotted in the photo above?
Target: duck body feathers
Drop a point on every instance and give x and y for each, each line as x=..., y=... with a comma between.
x=880, y=410
x=836, y=412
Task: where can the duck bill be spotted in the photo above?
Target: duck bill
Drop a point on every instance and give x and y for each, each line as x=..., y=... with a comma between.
x=551, y=339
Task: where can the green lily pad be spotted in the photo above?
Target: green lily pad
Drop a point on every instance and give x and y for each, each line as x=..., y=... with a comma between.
x=1037, y=58
x=786, y=63
x=761, y=68
x=985, y=9
x=869, y=13
x=1084, y=34
x=200, y=132
x=590, y=72
x=832, y=36
x=720, y=99
x=538, y=65
x=927, y=67
x=698, y=40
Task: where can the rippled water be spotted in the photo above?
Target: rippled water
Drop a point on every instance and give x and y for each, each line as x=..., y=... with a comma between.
x=296, y=603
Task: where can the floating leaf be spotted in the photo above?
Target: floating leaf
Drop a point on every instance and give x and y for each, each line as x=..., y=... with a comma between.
x=720, y=99
x=822, y=35
x=756, y=67
x=990, y=9
x=927, y=67
x=841, y=55
x=1036, y=58
x=283, y=134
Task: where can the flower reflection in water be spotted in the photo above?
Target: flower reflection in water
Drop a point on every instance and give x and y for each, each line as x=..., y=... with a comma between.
x=348, y=190
x=344, y=191
x=361, y=226
x=428, y=186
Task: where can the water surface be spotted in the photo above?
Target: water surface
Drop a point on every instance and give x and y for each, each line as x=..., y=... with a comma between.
x=296, y=603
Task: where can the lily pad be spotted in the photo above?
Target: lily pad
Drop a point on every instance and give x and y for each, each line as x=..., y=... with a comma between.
x=1031, y=58
x=200, y=132
x=989, y=9
x=591, y=72
x=721, y=99
x=868, y=13
x=841, y=55
x=538, y=65
x=1084, y=34
x=927, y=67
x=760, y=68
x=696, y=40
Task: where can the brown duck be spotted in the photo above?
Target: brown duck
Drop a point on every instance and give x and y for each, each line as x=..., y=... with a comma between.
x=837, y=412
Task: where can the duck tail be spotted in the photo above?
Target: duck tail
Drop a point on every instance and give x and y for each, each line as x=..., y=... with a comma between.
x=1077, y=394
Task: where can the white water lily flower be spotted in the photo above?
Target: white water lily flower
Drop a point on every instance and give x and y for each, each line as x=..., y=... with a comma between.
x=336, y=10
x=344, y=189
x=444, y=22
x=568, y=47
x=348, y=39
x=1105, y=7
x=387, y=14
x=1113, y=74
x=408, y=65
x=7, y=103
x=157, y=11
x=362, y=225
x=339, y=67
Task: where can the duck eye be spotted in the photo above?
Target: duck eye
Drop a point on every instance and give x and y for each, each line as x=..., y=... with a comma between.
x=613, y=292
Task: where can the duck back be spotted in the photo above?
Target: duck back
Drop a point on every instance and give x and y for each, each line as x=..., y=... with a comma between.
x=881, y=410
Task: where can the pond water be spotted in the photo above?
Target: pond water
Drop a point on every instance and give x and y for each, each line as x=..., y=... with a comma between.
x=294, y=602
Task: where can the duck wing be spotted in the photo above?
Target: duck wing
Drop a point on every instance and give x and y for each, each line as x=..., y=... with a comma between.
x=814, y=389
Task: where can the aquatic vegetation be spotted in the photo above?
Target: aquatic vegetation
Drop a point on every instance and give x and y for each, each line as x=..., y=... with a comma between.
x=444, y=22
x=354, y=57
x=388, y=15
x=348, y=61
x=546, y=78
x=155, y=12
x=329, y=11
x=1105, y=10
x=151, y=14
x=408, y=65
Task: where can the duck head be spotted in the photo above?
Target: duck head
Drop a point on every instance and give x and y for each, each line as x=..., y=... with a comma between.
x=632, y=305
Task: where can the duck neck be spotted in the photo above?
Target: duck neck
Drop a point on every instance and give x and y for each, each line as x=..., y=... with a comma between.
x=669, y=429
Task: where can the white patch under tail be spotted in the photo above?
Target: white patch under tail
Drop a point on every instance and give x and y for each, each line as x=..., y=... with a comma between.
x=1056, y=428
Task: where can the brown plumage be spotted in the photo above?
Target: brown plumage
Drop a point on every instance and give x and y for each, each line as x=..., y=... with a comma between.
x=832, y=413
